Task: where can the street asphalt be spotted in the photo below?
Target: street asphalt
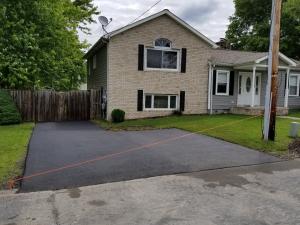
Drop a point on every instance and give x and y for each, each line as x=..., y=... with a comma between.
x=266, y=194
x=55, y=145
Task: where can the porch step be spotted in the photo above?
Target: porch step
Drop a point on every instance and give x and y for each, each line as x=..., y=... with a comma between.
x=281, y=111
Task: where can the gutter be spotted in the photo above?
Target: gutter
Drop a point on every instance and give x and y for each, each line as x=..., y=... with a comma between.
x=102, y=40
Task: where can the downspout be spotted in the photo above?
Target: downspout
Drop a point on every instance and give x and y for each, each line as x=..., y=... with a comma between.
x=210, y=83
x=107, y=82
x=286, y=97
x=209, y=87
x=211, y=90
x=106, y=41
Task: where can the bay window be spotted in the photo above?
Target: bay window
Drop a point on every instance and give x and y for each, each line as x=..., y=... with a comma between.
x=160, y=102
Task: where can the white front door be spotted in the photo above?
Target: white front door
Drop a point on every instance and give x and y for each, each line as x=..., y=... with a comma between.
x=245, y=89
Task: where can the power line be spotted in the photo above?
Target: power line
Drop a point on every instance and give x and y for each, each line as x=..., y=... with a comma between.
x=98, y=31
x=146, y=11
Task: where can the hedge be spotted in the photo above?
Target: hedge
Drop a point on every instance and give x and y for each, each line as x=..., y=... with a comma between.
x=9, y=113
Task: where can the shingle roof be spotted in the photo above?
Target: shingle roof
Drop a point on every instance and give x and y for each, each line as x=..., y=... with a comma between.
x=232, y=57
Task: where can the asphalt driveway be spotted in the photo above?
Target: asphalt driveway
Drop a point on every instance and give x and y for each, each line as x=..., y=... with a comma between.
x=54, y=145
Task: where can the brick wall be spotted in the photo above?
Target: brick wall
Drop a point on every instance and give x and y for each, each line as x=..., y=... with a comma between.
x=124, y=78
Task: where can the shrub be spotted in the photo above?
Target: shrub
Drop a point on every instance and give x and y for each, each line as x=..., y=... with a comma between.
x=8, y=111
x=177, y=113
x=118, y=115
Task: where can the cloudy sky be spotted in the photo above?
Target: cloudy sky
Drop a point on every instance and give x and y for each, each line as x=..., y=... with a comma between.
x=210, y=17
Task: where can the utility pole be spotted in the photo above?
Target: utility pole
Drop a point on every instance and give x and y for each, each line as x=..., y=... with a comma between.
x=273, y=61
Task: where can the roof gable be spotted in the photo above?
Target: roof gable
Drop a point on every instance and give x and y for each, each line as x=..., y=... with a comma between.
x=283, y=57
x=172, y=16
x=235, y=57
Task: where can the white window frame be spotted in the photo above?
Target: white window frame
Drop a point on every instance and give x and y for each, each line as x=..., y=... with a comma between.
x=155, y=46
x=166, y=50
x=240, y=84
x=161, y=109
x=94, y=61
x=298, y=80
x=227, y=84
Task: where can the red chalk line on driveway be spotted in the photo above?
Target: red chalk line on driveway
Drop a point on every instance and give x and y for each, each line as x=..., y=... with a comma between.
x=11, y=183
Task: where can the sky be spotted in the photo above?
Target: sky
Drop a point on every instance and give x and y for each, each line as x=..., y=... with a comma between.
x=210, y=17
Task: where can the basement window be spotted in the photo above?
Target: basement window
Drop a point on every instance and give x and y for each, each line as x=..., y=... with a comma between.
x=160, y=102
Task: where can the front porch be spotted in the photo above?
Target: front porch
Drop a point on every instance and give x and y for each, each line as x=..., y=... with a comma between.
x=239, y=84
x=256, y=110
x=253, y=83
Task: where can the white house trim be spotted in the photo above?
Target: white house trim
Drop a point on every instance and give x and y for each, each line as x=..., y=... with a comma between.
x=107, y=84
x=253, y=86
x=250, y=66
x=281, y=56
x=298, y=79
x=287, y=60
x=178, y=51
x=261, y=59
x=209, y=85
x=174, y=17
x=227, y=82
x=160, y=109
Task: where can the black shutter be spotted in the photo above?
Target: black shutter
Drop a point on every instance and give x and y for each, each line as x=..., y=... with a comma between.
x=231, y=83
x=285, y=80
x=182, y=100
x=140, y=100
x=141, y=58
x=183, y=60
x=101, y=94
x=214, y=81
x=299, y=91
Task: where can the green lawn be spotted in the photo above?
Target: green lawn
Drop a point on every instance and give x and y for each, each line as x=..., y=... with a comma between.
x=240, y=129
x=294, y=113
x=13, y=146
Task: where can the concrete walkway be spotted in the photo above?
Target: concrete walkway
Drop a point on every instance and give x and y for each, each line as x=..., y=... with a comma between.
x=258, y=195
x=55, y=145
x=289, y=117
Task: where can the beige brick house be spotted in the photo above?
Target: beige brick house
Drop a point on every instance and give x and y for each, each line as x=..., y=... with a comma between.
x=161, y=64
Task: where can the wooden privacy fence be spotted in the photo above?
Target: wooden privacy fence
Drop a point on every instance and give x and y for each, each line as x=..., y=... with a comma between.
x=42, y=106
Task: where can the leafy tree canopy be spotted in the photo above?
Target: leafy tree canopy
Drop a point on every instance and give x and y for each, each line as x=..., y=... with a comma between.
x=249, y=27
x=39, y=44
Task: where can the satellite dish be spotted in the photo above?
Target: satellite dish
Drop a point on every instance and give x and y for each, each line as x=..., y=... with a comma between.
x=103, y=20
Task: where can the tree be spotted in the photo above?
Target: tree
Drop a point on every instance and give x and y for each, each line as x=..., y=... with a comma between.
x=39, y=45
x=249, y=27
